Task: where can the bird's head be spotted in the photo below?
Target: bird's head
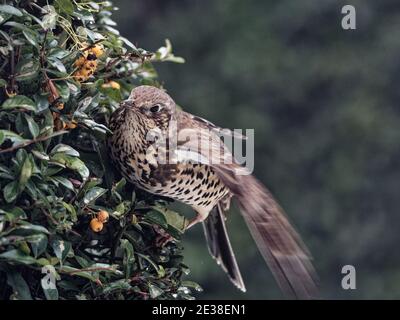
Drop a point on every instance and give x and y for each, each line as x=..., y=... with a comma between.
x=154, y=105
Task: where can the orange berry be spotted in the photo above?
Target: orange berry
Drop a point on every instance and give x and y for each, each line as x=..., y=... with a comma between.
x=60, y=106
x=111, y=84
x=103, y=216
x=96, y=225
x=97, y=50
x=80, y=61
x=72, y=125
x=79, y=77
x=91, y=65
x=85, y=73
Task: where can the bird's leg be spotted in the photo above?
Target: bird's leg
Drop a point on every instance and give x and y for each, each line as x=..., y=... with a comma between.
x=198, y=218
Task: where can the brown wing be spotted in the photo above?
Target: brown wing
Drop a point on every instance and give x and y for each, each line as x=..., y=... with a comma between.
x=201, y=137
x=278, y=242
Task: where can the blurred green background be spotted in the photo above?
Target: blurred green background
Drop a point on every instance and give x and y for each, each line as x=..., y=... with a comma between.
x=324, y=103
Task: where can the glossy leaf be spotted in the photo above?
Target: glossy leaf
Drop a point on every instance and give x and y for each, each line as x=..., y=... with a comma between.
x=19, y=101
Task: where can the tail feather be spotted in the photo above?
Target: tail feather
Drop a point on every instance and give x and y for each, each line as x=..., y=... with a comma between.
x=220, y=247
x=278, y=242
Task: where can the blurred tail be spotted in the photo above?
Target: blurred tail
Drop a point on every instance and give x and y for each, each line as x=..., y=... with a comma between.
x=279, y=244
x=220, y=247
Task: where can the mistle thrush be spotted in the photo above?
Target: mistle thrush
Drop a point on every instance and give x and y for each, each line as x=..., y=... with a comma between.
x=198, y=170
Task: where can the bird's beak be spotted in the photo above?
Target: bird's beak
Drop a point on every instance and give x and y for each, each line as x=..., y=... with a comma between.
x=128, y=103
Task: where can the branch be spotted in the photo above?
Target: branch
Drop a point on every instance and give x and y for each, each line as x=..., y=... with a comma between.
x=29, y=142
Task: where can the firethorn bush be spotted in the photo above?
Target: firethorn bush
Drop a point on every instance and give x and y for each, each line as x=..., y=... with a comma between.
x=71, y=227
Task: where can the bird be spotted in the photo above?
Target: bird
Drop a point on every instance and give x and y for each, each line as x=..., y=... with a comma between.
x=171, y=153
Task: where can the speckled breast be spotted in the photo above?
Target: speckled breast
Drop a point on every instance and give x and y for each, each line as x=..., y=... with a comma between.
x=191, y=183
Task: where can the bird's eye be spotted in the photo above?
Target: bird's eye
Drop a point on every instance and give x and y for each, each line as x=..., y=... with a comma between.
x=155, y=108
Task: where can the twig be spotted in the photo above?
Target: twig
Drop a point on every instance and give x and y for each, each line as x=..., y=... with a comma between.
x=92, y=45
x=90, y=270
x=48, y=215
x=29, y=142
x=39, y=8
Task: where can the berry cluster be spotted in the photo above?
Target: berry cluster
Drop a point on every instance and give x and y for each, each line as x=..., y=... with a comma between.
x=96, y=224
x=86, y=64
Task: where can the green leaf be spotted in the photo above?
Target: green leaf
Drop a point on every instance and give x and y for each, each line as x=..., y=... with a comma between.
x=31, y=189
x=3, y=168
x=63, y=89
x=63, y=148
x=29, y=229
x=64, y=6
x=76, y=272
x=40, y=155
x=191, y=284
x=42, y=103
x=78, y=165
x=174, y=219
x=19, y=285
x=161, y=271
x=10, y=191
x=55, y=62
x=82, y=262
x=64, y=181
x=72, y=163
x=120, y=185
x=49, y=20
x=27, y=70
x=155, y=291
x=10, y=10
x=17, y=256
x=14, y=214
x=113, y=94
x=117, y=285
x=58, y=53
x=38, y=243
x=26, y=173
x=15, y=138
x=16, y=25
x=93, y=194
x=157, y=218
x=31, y=36
x=70, y=208
x=21, y=156
x=19, y=102
x=165, y=54
x=61, y=249
x=32, y=125
x=129, y=257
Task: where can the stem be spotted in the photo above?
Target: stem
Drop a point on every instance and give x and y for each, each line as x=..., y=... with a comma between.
x=29, y=142
x=89, y=270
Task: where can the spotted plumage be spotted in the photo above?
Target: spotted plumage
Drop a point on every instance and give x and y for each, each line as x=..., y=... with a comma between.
x=172, y=153
x=130, y=149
